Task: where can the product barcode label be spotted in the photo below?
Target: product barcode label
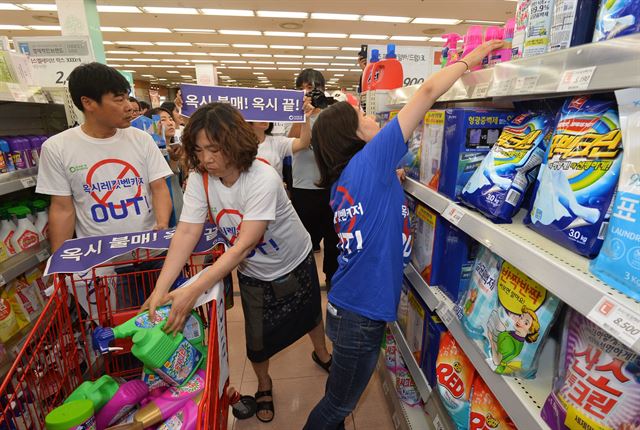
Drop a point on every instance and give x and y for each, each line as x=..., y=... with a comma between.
x=28, y=182
x=617, y=319
x=480, y=91
x=576, y=79
x=513, y=197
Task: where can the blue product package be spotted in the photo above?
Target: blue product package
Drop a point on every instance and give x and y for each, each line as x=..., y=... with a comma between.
x=152, y=126
x=428, y=244
x=578, y=176
x=411, y=160
x=435, y=329
x=573, y=23
x=618, y=263
x=498, y=186
x=469, y=134
x=458, y=258
x=617, y=18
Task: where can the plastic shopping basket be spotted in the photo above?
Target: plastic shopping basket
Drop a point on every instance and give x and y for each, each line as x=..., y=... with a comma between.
x=57, y=355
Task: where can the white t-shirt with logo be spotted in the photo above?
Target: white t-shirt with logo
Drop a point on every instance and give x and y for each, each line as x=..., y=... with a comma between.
x=109, y=179
x=257, y=195
x=274, y=149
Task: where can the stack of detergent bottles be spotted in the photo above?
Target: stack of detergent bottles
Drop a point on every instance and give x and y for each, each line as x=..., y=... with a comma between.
x=166, y=396
x=383, y=74
x=20, y=152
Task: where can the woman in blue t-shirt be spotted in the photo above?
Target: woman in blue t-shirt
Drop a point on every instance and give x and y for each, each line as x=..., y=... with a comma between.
x=357, y=161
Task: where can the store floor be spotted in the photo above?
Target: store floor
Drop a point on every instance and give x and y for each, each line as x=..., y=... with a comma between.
x=298, y=383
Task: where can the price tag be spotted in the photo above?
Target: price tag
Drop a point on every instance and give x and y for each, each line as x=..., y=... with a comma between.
x=28, y=182
x=501, y=88
x=525, y=84
x=480, y=91
x=461, y=95
x=17, y=93
x=43, y=255
x=453, y=213
x=437, y=423
x=618, y=320
x=576, y=79
x=447, y=316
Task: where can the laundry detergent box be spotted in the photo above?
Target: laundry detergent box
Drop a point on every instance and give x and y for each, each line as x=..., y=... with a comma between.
x=469, y=134
x=435, y=330
x=403, y=304
x=427, y=252
x=617, y=18
x=458, y=257
x=416, y=330
x=579, y=175
x=411, y=160
x=431, y=151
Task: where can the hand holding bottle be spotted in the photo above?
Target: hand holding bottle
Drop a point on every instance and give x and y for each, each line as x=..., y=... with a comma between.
x=476, y=56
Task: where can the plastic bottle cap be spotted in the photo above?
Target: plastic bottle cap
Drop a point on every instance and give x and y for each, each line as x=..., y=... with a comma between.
x=391, y=51
x=375, y=56
x=40, y=205
x=69, y=415
x=20, y=211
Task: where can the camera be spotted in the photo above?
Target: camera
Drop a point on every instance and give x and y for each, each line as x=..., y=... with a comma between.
x=319, y=99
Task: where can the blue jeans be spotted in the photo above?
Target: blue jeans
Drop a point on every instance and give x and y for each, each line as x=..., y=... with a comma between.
x=356, y=345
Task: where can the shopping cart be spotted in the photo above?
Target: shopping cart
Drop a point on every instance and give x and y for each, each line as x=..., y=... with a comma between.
x=57, y=355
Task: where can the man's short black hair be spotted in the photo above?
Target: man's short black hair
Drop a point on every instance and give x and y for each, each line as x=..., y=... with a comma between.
x=170, y=106
x=94, y=80
x=144, y=105
x=310, y=76
x=157, y=111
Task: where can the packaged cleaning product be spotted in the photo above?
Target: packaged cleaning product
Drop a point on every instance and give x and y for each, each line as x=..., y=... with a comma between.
x=405, y=385
x=99, y=392
x=618, y=263
x=403, y=305
x=469, y=135
x=387, y=74
x=431, y=151
x=435, y=329
x=572, y=23
x=8, y=320
x=486, y=411
x=416, y=330
x=76, y=415
x=617, y=18
x=454, y=374
x=598, y=381
x=122, y=403
x=472, y=39
x=578, y=176
x=427, y=245
x=22, y=319
x=460, y=251
x=498, y=186
x=411, y=161
x=27, y=297
x=520, y=32
x=186, y=418
x=390, y=351
x=538, y=27
x=26, y=235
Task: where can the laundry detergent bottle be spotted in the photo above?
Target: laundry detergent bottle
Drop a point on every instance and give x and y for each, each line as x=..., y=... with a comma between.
x=7, y=230
x=42, y=218
x=99, y=392
x=472, y=40
x=387, y=74
x=26, y=235
x=186, y=418
x=76, y=415
x=122, y=403
x=450, y=50
x=366, y=74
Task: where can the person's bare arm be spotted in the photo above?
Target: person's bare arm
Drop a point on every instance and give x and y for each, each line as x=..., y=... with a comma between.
x=62, y=220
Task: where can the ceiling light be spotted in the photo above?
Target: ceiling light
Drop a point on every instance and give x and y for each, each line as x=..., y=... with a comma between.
x=148, y=30
x=173, y=60
x=105, y=42
x=145, y=60
x=341, y=64
x=127, y=42
x=288, y=68
x=436, y=21
x=287, y=56
x=369, y=36
x=281, y=14
x=129, y=71
x=239, y=67
x=258, y=73
x=197, y=54
x=224, y=54
x=118, y=9
x=262, y=62
x=438, y=39
x=284, y=33
x=36, y=6
x=227, y=12
x=336, y=16
x=354, y=70
x=328, y=35
x=173, y=43
x=123, y=52
x=114, y=65
x=241, y=32
x=137, y=65
x=162, y=79
x=45, y=27
x=173, y=71
x=315, y=64
x=337, y=70
x=112, y=29
x=338, y=74
x=10, y=6
x=382, y=18
x=257, y=55
x=171, y=10
x=185, y=67
x=411, y=38
x=117, y=59
x=194, y=30
x=265, y=68
x=350, y=48
x=290, y=63
x=204, y=61
x=319, y=57
x=476, y=21
x=286, y=46
x=249, y=45
x=157, y=52
x=187, y=76
x=148, y=76
x=235, y=61
x=12, y=27
x=345, y=58
x=212, y=44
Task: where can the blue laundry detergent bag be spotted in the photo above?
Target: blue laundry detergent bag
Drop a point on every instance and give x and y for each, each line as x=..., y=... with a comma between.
x=578, y=176
x=618, y=263
x=498, y=186
x=617, y=18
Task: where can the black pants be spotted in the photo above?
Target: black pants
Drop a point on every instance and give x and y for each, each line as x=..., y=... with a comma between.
x=316, y=215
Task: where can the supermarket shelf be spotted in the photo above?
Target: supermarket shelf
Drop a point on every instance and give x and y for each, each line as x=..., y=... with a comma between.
x=542, y=75
x=20, y=263
x=418, y=375
x=18, y=180
x=522, y=399
x=12, y=92
x=559, y=270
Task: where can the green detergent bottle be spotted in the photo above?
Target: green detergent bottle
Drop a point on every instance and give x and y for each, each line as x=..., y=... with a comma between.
x=99, y=392
x=173, y=358
x=76, y=415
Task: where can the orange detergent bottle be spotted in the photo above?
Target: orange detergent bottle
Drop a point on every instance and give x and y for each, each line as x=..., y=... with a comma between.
x=366, y=74
x=387, y=74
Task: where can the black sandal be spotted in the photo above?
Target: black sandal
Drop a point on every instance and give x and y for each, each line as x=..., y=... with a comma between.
x=266, y=405
x=325, y=365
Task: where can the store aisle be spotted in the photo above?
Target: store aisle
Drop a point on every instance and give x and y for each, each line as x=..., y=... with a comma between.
x=298, y=383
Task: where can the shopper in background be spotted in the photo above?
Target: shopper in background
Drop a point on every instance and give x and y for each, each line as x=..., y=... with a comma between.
x=310, y=201
x=276, y=269
x=104, y=177
x=135, y=108
x=144, y=107
x=362, y=63
x=177, y=117
x=358, y=160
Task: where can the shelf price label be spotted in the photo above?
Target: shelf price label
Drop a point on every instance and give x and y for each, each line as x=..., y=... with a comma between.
x=618, y=320
x=437, y=423
x=28, y=182
x=453, y=213
x=525, y=84
x=447, y=316
x=480, y=91
x=501, y=88
x=43, y=255
x=576, y=79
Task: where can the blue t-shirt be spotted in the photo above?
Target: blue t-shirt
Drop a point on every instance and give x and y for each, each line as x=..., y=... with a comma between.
x=371, y=218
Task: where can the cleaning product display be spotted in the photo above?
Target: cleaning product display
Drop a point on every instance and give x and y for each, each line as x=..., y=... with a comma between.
x=25, y=235
x=617, y=18
x=435, y=330
x=498, y=186
x=20, y=152
x=486, y=412
x=416, y=329
x=411, y=160
x=450, y=51
x=578, y=176
x=572, y=23
x=431, y=149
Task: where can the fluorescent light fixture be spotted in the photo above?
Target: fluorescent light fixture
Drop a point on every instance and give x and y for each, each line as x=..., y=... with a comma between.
x=259, y=73
x=346, y=58
x=194, y=30
x=106, y=42
x=158, y=66
x=171, y=10
x=436, y=21
x=112, y=29
x=257, y=55
x=117, y=59
x=350, y=48
x=145, y=60
x=336, y=16
x=45, y=27
x=118, y=9
x=342, y=64
x=286, y=46
x=173, y=43
x=137, y=65
x=130, y=71
x=319, y=57
x=265, y=68
x=382, y=18
x=186, y=76
x=148, y=76
x=339, y=74
x=288, y=68
x=139, y=43
x=11, y=6
x=315, y=64
x=323, y=48
x=355, y=70
x=173, y=71
x=224, y=54
x=249, y=45
x=369, y=36
x=281, y=14
x=197, y=54
x=241, y=32
x=328, y=35
x=262, y=62
x=284, y=33
x=239, y=67
x=437, y=39
x=162, y=79
x=235, y=61
x=185, y=67
x=288, y=63
x=114, y=65
x=148, y=30
x=122, y=52
x=212, y=44
x=12, y=27
x=35, y=6
x=204, y=61
x=157, y=52
x=338, y=70
x=227, y=12
x=174, y=60
x=411, y=38
x=477, y=21
x=287, y=56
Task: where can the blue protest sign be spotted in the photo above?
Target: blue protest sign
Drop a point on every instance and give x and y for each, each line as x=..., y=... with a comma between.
x=255, y=104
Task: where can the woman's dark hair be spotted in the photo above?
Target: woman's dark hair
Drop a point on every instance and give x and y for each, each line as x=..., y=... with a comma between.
x=310, y=76
x=225, y=127
x=144, y=105
x=170, y=106
x=156, y=111
x=269, y=129
x=134, y=100
x=94, y=80
x=335, y=141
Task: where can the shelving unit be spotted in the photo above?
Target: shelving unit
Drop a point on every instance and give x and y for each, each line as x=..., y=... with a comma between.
x=18, y=180
x=25, y=260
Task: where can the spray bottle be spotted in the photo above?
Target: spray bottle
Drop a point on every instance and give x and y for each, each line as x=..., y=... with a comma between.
x=42, y=219
x=387, y=74
x=493, y=33
x=126, y=398
x=366, y=74
x=186, y=418
x=506, y=52
x=450, y=50
x=26, y=235
x=7, y=230
x=99, y=392
x=472, y=40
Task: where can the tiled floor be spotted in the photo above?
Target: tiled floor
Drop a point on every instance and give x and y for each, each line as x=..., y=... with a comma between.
x=298, y=383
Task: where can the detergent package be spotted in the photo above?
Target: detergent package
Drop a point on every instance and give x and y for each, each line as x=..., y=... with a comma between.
x=469, y=134
x=416, y=331
x=538, y=27
x=454, y=374
x=460, y=251
x=427, y=253
x=405, y=385
x=618, y=263
x=617, y=18
x=403, y=305
x=486, y=411
x=435, y=330
x=390, y=351
x=598, y=382
x=411, y=160
x=578, y=177
x=498, y=186
x=431, y=155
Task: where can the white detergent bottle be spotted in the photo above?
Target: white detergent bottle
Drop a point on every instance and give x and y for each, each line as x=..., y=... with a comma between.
x=42, y=218
x=7, y=229
x=26, y=236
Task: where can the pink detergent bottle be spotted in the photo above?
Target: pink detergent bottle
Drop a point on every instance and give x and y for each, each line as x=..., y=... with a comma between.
x=124, y=401
x=472, y=40
x=508, y=31
x=366, y=74
x=186, y=418
x=387, y=74
x=493, y=33
x=450, y=50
